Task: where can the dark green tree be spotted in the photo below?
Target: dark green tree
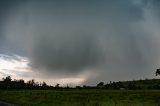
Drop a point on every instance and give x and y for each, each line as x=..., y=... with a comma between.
x=100, y=85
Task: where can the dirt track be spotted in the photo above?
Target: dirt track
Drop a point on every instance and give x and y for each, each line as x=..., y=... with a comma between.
x=2, y=103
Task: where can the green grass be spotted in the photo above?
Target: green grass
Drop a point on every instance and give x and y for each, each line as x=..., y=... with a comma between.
x=84, y=97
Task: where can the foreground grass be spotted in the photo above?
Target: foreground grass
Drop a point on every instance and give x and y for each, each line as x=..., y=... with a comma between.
x=84, y=97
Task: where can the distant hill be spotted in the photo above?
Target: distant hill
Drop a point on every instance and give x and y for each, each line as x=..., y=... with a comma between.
x=135, y=84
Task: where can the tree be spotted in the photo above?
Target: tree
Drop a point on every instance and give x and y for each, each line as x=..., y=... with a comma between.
x=7, y=79
x=131, y=86
x=20, y=81
x=57, y=85
x=44, y=84
x=100, y=85
x=31, y=83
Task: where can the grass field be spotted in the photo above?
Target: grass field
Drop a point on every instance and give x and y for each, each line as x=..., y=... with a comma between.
x=84, y=97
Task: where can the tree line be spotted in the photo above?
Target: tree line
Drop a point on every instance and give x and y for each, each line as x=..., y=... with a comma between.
x=8, y=83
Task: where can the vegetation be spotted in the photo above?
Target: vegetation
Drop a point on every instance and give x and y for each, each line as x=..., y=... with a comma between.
x=83, y=97
x=7, y=83
x=124, y=93
x=136, y=84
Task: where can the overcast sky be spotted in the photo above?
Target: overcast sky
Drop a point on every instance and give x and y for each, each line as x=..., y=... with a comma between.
x=79, y=41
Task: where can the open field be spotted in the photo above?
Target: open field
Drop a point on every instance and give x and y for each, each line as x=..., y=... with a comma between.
x=83, y=97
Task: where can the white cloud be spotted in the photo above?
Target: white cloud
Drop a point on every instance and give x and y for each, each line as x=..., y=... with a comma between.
x=14, y=65
x=17, y=67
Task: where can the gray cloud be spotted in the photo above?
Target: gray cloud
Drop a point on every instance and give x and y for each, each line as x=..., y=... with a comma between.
x=67, y=52
x=67, y=38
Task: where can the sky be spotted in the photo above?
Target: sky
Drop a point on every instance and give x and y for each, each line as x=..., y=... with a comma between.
x=79, y=42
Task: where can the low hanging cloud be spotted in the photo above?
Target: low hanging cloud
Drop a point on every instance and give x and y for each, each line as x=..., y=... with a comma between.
x=71, y=38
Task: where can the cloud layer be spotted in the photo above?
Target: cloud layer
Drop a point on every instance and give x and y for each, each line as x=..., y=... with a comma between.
x=100, y=38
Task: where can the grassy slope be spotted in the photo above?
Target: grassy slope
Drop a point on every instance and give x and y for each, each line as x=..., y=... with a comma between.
x=82, y=97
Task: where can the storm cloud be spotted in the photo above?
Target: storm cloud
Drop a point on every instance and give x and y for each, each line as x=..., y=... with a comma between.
x=72, y=38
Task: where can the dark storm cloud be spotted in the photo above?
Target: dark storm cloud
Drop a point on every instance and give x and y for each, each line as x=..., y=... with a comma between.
x=73, y=43
x=69, y=52
x=155, y=5
x=6, y=7
x=69, y=37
